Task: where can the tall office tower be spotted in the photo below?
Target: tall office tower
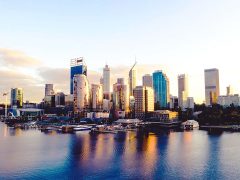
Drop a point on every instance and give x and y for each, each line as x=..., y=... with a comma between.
x=17, y=97
x=147, y=80
x=106, y=82
x=97, y=97
x=49, y=90
x=211, y=86
x=132, y=79
x=59, y=99
x=144, y=101
x=161, y=90
x=230, y=90
x=120, y=96
x=182, y=90
x=78, y=66
x=81, y=93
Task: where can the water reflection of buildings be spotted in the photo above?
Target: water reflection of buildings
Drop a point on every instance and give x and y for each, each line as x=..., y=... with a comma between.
x=140, y=154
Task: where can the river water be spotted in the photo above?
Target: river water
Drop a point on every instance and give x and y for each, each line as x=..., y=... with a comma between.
x=31, y=154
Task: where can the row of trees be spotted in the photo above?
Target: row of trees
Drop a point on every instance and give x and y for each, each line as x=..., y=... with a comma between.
x=218, y=115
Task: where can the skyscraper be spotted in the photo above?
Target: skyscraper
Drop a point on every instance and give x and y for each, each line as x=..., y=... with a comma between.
x=97, y=97
x=106, y=82
x=132, y=79
x=49, y=89
x=17, y=97
x=211, y=86
x=78, y=66
x=144, y=101
x=161, y=89
x=182, y=90
x=81, y=93
x=147, y=80
x=120, y=96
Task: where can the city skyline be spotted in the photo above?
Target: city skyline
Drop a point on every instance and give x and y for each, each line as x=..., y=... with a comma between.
x=38, y=41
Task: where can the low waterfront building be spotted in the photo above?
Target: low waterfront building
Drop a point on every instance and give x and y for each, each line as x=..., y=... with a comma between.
x=226, y=101
x=164, y=116
x=93, y=115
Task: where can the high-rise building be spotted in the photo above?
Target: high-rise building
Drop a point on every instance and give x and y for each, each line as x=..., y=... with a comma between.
x=147, y=80
x=144, y=101
x=161, y=90
x=17, y=97
x=59, y=99
x=97, y=97
x=212, y=88
x=78, y=66
x=81, y=93
x=120, y=96
x=132, y=79
x=173, y=102
x=49, y=89
x=230, y=90
x=106, y=82
x=182, y=90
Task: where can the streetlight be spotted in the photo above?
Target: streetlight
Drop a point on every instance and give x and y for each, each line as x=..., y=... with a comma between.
x=5, y=94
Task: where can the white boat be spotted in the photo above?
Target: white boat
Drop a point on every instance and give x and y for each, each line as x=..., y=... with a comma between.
x=190, y=125
x=82, y=128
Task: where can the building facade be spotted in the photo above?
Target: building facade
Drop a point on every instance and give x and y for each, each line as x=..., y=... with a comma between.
x=49, y=90
x=161, y=89
x=81, y=93
x=78, y=66
x=227, y=101
x=182, y=90
x=147, y=80
x=190, y=103
x=120, y=96
x=173, y=102
x=96, y=97
x=144, y=101
x=212, y=88
x=59, y=99
x=17, y=97
x=106, y=82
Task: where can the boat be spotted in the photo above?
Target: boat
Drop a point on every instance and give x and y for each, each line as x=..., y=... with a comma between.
x=190, y=125
x=82, y=128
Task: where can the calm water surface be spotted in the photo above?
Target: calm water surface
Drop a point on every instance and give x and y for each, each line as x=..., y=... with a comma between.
x=32, y=154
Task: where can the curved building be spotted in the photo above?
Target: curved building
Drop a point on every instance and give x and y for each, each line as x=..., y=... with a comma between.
x=81, y=93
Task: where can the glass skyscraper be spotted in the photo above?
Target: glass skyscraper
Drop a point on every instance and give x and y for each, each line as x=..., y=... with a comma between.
x=77, y=67
x=161, y=89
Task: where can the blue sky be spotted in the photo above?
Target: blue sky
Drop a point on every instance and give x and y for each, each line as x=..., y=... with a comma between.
x=176, y=36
